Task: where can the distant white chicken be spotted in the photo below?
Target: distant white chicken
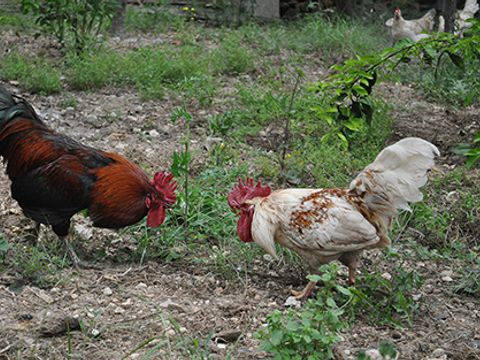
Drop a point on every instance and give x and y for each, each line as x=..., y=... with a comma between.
x=323, y=225
x=411, y=29
x=461, y=17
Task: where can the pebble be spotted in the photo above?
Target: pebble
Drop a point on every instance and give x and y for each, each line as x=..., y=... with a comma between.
x=447, y=278
x=141, y=285
x=95, y=332
x=446, y=273
x=267, y=257
x=154, y=133
x=292, y=302
x=107, y=291
x=387, y=276
x=438, y=353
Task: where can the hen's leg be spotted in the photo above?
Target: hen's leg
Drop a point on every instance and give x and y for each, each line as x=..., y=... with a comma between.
x=306, y=292
x=351, y=261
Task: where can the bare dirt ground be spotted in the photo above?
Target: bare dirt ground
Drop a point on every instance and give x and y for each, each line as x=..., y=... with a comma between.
x=163, y=307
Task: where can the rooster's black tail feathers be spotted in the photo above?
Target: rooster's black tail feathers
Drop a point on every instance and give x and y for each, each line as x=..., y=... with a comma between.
x=12, y=106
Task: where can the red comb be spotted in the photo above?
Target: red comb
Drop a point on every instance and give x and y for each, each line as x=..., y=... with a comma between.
x=245, y=191
x=165, y=184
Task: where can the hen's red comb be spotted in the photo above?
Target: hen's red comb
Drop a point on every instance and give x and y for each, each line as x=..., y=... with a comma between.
x=245, y=191
x=166, y=184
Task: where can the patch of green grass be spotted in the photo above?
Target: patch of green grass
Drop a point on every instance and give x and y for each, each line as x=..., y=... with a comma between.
x=315, y=33
x=38, y=264
x=449, y=84
x=36, y=75
x=232, y=57
x=155, y=18
x=13, y=20
x=448, y=217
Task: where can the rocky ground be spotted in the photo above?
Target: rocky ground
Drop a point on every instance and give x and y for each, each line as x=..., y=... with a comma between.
x=179, y=310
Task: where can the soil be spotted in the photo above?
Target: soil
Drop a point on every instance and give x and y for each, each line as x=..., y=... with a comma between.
x=162, y=307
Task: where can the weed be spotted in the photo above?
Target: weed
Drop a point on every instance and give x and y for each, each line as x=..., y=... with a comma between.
x=180, y=167
x=385, y=301
x=69, y=100
x=472, y=152
x=470, y=281
x=311, y=332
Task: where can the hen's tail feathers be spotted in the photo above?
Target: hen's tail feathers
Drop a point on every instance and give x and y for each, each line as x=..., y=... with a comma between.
x=429, y=15
x=471, y=6
x=394, y=178
x=12, y=106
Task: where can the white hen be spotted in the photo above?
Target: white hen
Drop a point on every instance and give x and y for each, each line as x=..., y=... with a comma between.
x=412, y=29
x=323, y=225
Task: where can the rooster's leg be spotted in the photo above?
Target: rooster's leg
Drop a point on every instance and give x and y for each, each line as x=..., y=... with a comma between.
x=77, y=263
x=306, y=292
x=33, y=234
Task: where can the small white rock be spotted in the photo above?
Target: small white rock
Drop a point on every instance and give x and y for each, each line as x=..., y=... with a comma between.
x=107, y=291
x=221, y=346
x=387, y=276
x=95, y=332
x=416, y=297
x=438, y=353
x=154, y=133
x=267, y=257
x=447, y=278
x=292, y=302
x=446, y=273
x=374, y=354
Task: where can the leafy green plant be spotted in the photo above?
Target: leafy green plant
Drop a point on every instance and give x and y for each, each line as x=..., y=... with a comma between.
x=472, y=152
x=385, y=301
x=74, y=23
x=313, y=329
x=386, y=349
x=311, y=332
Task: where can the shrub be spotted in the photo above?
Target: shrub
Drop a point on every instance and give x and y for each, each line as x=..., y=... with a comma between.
x=74, y=23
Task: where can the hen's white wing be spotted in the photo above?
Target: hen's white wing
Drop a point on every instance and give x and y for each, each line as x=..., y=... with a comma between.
x=329, y=226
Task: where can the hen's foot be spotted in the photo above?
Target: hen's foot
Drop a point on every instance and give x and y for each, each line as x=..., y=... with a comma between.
x=306, y=292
